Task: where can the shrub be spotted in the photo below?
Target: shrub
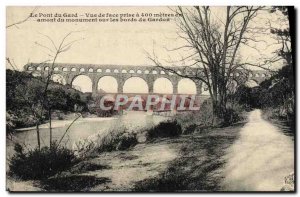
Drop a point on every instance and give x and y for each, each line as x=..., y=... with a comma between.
x=191, y=121
x=233, y=114
x=116, y=141
x=126, y=141
x=190, y=128
x=111, y=140
x=40, y=164
x=200, y=120
x=170, y=128
x=206, y=113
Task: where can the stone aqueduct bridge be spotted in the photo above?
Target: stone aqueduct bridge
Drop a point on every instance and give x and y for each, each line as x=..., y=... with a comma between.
x=121, y=73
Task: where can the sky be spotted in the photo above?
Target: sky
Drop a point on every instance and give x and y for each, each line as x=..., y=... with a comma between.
x=103, y=43
x=116, y=43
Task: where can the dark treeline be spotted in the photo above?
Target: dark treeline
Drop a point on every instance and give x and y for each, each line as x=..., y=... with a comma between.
x=23, y=91
x=276, y=94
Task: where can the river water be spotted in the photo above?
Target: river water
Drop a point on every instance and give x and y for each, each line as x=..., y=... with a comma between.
x=82, y=129
x=260, y=158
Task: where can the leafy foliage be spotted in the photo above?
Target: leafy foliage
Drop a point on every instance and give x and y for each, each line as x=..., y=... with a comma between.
x=278, y=93
x=285, y=36
x=165, y=129
x=23, y=96
x=40, y=164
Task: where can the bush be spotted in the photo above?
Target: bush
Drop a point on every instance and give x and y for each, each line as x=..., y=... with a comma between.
x=40, y=164
x=192, y=121
x=126, y=141
x=116, y=141
x=165, y=129
x=233, y=114
x=111, y=140
x=190, y=128
x=195, y=121
x=206, y=113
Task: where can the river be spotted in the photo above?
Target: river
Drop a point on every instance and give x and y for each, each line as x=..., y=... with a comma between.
x=82, y=128
x=260, y=158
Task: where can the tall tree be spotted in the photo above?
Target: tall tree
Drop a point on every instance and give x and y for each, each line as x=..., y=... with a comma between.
x=285, y=36
x=215, y=49
x=43, y=104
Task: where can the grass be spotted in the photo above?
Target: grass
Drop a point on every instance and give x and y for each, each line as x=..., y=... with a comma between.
x=196, y=169
x=83, y=167
x=121, y=139
x=287, y=126
x=75, y=183
x=40, y=164
x=112, y=140
x=164, y=129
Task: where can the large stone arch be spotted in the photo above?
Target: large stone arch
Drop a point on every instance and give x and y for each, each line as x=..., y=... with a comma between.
x=122, y=73
x=186, y=86
x=107, y=84
x=138, y=84
x=164, y=85
x=82, y=83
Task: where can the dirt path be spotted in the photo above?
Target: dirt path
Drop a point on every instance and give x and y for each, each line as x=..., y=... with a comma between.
x=128, y=167
x=199, y=164
x=111, y=171
x=260, y=159
x=246, y=156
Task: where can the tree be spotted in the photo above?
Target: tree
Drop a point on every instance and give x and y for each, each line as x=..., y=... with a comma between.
x=39, y=87
x=56, y=50
x=285, y=36
x=215, y=49
x=278, y=93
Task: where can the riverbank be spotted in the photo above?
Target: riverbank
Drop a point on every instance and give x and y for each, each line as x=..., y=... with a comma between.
x=251, y=155
x=82, y=129
x=66, y=122
x=60, y=119
x=189, y=162
x=287, y=126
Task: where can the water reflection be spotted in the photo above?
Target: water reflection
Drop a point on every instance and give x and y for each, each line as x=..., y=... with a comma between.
x=83, y=128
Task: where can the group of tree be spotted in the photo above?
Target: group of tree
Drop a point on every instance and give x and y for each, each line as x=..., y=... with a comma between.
x=214, y=46
x=276, y=94
x=23, y=97
x=37, y=95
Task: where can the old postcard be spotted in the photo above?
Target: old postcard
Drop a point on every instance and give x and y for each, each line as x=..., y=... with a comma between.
x=150, y=99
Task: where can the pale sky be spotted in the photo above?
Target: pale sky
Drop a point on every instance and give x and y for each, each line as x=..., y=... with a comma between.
x=103, y=43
